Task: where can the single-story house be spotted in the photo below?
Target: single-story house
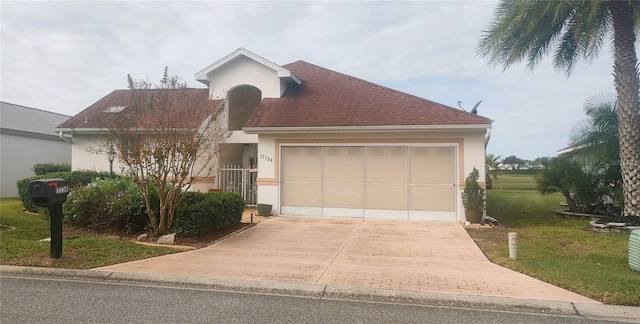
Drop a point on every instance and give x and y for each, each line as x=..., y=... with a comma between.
x=28, y=137
x=322, y=143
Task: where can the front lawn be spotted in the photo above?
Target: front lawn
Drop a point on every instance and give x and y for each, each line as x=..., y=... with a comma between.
x=80, y=248
x=557, y=250
x=515, y=182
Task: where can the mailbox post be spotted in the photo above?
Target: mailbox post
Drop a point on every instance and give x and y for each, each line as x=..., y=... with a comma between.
x=51, y=193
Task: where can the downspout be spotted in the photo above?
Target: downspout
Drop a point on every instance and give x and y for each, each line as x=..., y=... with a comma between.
x=487, y=137
x=67, y=140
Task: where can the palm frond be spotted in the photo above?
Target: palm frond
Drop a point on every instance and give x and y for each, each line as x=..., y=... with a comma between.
x=596, y=137
x=524, y=30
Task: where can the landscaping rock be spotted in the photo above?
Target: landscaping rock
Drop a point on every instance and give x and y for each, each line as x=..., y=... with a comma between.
x=142, y=237
x=167, y=239
x=613, y=227
x=612, y=224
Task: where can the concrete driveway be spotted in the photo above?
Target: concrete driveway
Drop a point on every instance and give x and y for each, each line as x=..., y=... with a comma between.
x=397, y=255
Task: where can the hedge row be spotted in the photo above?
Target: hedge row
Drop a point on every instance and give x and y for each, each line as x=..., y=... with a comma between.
x=109, y=205
x=74, y=178
x=44, y=168
x=199, y=213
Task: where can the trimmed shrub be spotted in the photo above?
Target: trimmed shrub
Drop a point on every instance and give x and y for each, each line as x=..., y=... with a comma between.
x=44, y=168
x=200, y=213
x=584, y=184
x=115, y=204
x=75, y=179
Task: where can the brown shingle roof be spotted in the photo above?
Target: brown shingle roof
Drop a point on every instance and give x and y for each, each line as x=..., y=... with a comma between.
x=325, y=98
x=328, y=98
x=94, y=116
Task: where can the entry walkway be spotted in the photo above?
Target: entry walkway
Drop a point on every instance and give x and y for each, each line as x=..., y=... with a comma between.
x=397, y=255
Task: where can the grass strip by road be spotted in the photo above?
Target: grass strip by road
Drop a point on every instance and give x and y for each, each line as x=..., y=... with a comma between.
x=558, y=250
x=21, y=234
x=515, y=182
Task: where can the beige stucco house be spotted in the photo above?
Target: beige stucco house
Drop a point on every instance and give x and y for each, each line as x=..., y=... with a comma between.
x=327, y=144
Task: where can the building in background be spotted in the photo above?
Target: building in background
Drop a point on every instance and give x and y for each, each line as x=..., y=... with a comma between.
x=28, y=137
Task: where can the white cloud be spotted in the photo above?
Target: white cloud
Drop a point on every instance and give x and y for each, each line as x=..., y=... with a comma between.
x=63, y=56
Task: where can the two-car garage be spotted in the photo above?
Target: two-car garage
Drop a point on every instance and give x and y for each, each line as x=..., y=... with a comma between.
x=388, y=181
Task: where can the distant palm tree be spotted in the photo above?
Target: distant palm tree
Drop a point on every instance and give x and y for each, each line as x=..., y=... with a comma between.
x=526, y=30
x=492, y=162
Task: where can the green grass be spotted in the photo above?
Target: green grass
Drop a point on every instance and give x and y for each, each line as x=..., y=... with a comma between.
x=21, y=246
x=515, y=182
x=557, y=250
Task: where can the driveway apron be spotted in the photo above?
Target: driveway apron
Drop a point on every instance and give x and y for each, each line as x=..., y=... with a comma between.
x=398, y=255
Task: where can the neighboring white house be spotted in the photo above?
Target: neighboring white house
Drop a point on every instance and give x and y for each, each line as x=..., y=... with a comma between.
x=328, y=144
x=28, y=137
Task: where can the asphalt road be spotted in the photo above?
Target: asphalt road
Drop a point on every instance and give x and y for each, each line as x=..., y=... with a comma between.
x=38, y=300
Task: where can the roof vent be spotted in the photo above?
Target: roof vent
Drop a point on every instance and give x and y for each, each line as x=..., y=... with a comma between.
x=114, y=109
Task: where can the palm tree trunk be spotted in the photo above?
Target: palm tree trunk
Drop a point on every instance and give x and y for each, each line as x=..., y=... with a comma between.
x=626, y=82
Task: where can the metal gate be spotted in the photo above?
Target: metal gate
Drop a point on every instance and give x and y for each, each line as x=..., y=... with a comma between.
x=233, y=178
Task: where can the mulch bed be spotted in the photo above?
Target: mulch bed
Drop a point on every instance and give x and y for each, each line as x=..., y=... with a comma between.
x=211, y=237
x=72, y=232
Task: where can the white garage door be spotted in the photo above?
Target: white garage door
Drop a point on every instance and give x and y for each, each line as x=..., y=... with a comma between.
x=388, y=182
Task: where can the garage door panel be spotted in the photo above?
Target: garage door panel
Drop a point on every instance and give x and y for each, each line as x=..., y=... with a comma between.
x=343, y=195
x=302, y=163
x=386, y=164
x=433, y=198
x=431, y=165
x=301, y=194
x=343, y=164
x=386, y=196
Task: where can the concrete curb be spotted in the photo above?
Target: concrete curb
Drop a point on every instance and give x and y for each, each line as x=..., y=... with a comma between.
x=601, y=311
x=450, y=300
x=587, y=310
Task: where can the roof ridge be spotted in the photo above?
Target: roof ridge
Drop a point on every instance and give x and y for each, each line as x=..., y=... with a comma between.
x=38, y=109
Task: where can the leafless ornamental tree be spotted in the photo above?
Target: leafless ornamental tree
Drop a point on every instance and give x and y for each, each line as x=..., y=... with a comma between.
x=168, y=136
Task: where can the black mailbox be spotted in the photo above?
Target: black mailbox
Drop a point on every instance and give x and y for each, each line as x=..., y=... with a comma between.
x=51, y=193
x=48, y=192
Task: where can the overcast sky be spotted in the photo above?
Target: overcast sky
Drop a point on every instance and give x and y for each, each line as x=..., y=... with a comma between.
x=64, y=56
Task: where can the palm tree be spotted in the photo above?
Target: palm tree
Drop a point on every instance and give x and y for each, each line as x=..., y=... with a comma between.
x=526, y=30
x=580, y=183
x=492, y=171
x=597, y=135
x=595, y=140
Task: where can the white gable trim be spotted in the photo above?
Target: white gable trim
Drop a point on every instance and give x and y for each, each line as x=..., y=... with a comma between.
x=282, y=73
